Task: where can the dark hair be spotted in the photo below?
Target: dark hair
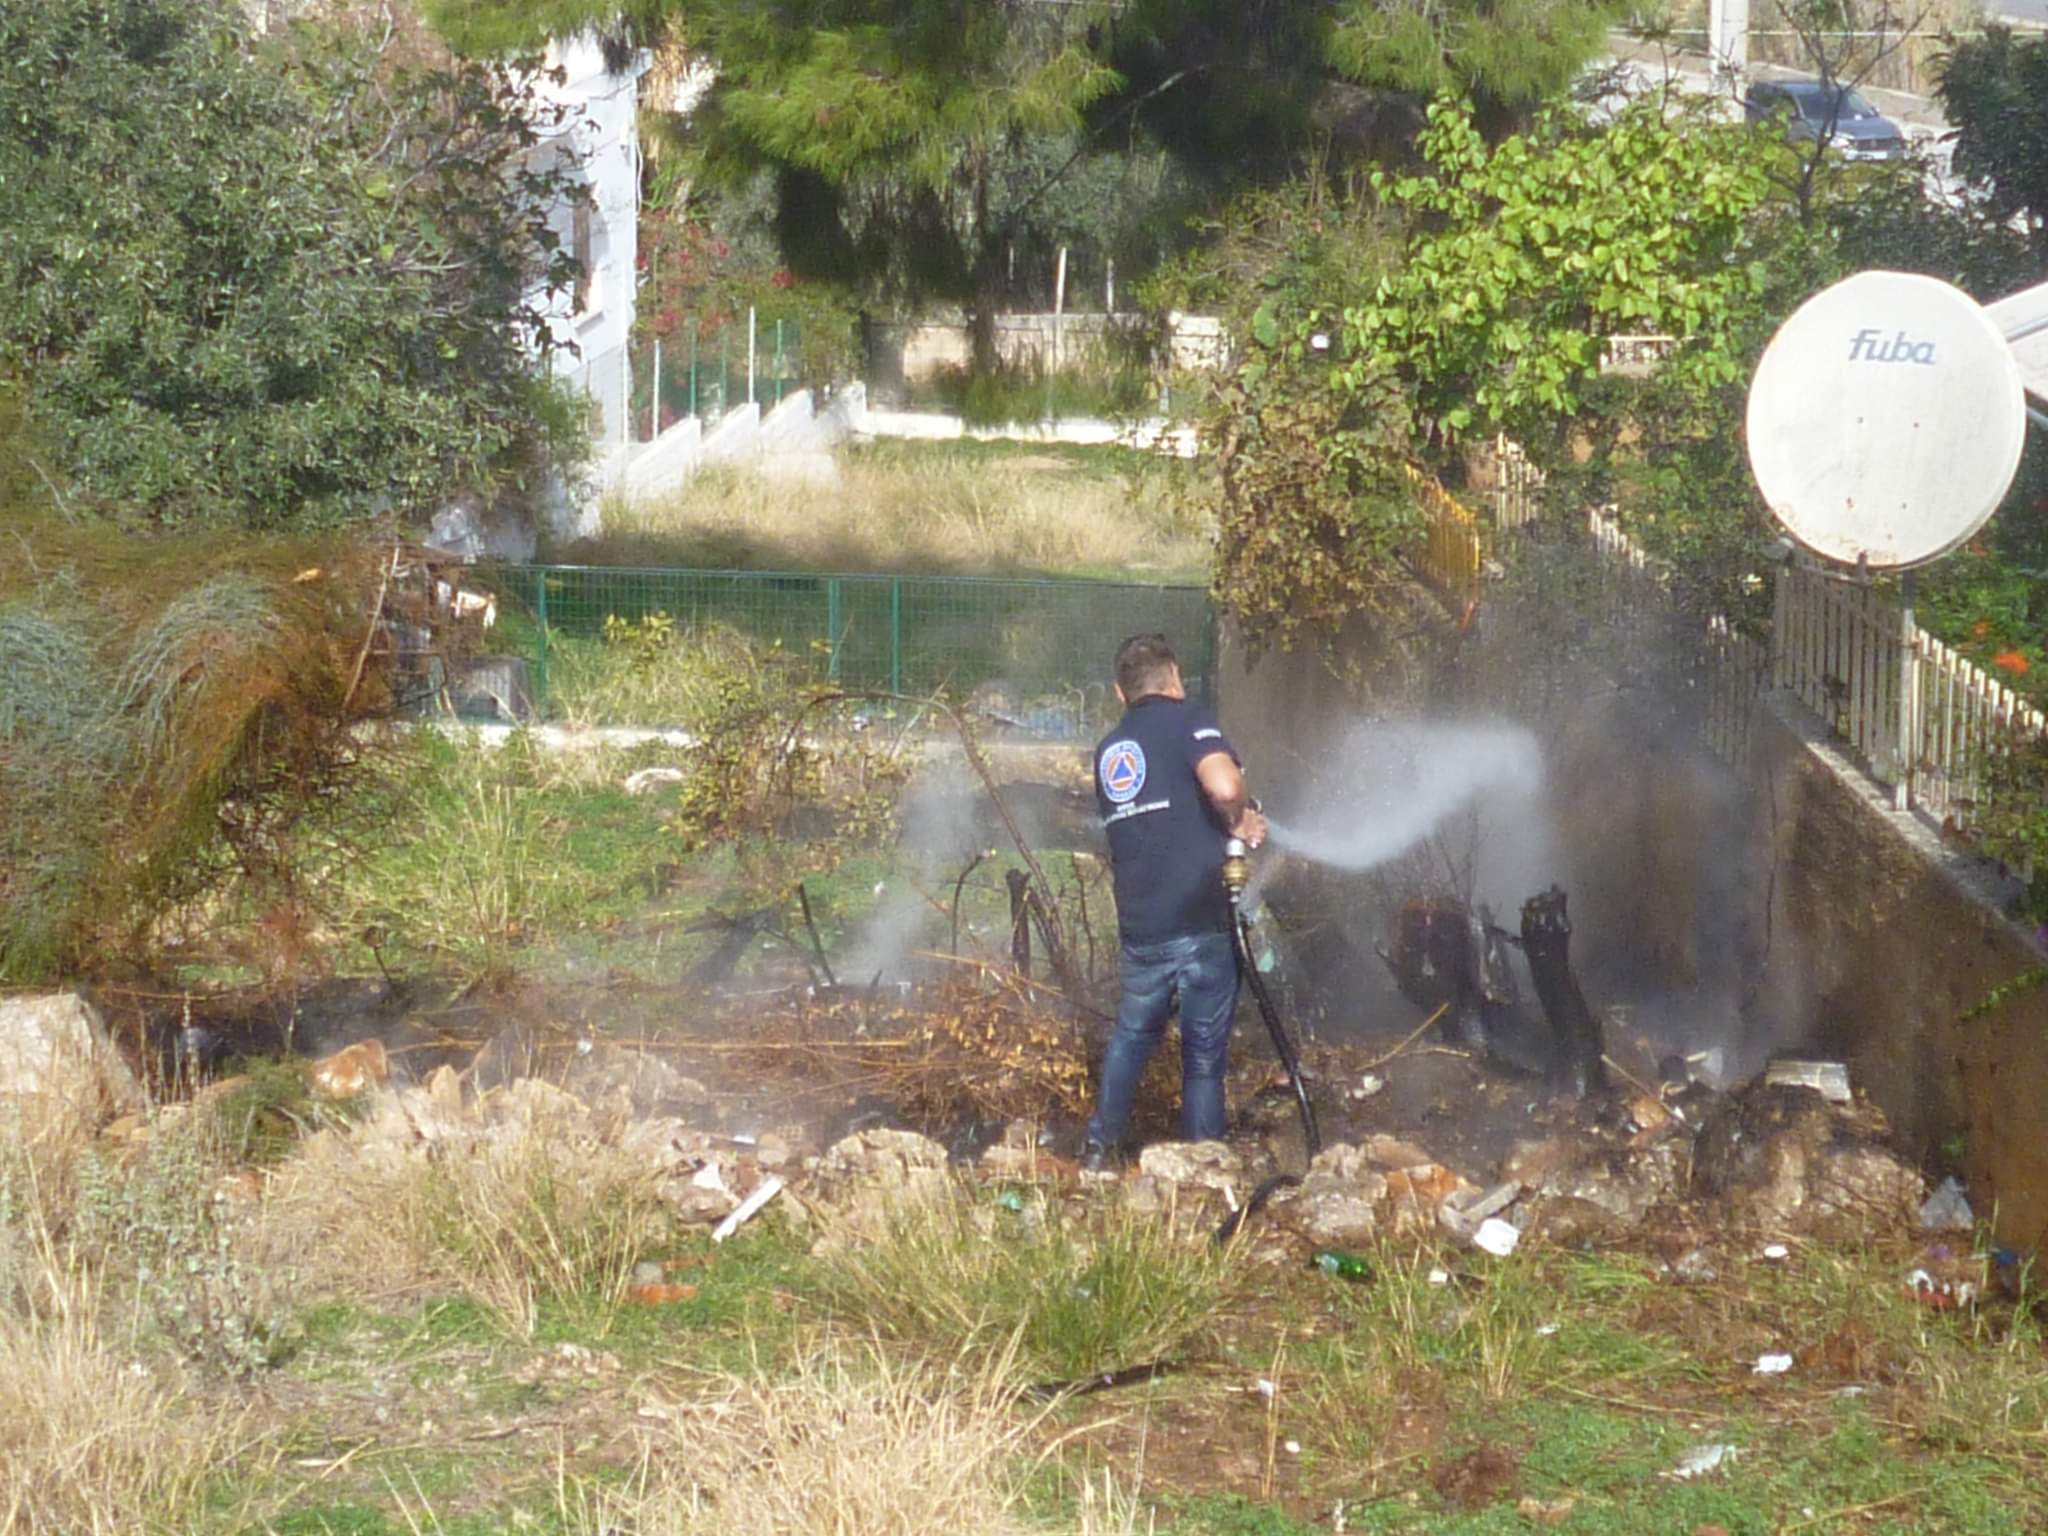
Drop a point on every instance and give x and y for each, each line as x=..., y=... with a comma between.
x=1144, y=664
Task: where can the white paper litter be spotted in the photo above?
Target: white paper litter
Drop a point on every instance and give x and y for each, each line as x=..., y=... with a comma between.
x=1496, y=1237
x=1776, y=1251
x=1439, y=1277
x=1772, y=1365
x=1701, y=1460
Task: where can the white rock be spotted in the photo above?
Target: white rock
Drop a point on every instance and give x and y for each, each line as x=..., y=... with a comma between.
x=53, y=1047
x=1203, y=1164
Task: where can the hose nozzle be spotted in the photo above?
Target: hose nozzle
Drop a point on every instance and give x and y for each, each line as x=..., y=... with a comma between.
x=1237, y=867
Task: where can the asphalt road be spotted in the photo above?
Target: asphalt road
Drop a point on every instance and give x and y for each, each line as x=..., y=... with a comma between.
x=2033, y=12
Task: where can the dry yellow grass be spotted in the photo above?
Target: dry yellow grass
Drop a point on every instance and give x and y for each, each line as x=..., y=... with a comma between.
x=91, y=1439
x=853, y=1441
x=511, y=1213
x=958, y=511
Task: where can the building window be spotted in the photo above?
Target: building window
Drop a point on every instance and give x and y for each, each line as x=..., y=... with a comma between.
x=584, y=247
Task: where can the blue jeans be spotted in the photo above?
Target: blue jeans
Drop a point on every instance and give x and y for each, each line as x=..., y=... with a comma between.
x=1202, y=969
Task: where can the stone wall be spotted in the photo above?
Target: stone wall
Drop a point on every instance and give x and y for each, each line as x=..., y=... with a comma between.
x=1882, y=940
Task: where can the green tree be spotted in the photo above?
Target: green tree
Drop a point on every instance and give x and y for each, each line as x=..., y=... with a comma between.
x=894, y=130
x=1244, y=86
x=1994, y=88
x=270, y=287
x=1528, y=254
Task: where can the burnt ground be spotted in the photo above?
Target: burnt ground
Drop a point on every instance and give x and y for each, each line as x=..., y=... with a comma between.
x=1450, y=1391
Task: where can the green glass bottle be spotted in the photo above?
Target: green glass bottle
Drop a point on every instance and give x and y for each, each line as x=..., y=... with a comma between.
x=1333, y=1262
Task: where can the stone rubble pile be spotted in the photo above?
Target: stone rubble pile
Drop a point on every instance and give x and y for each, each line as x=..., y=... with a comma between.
x=1786, y=1160
x=1781, y=1158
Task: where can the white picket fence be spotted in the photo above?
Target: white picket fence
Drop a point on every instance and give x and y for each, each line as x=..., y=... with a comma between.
x=1516, y=483
x=1730, y=669
x=1923, y=719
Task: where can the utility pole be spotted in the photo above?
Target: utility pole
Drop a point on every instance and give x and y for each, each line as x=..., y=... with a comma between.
x=1728, y=39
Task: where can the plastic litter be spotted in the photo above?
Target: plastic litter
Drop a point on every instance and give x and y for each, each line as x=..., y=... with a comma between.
x=1776, y=1252
x=1829, y=1079
x=767, y=1190
x=1947, y=1208
x=1011, y=1200
x=1439, y=1277
x=1930, y=1290
x=1772, y=1365
x=1545, y=1330
x=1291, y=1447
x=1368, y=1085
x=1496, y=1237
x=1702, y=1459
x=1693, y=1267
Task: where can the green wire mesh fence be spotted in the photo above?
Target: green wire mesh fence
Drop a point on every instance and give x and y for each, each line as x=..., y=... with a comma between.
x=1034, y=652
x=704, y=371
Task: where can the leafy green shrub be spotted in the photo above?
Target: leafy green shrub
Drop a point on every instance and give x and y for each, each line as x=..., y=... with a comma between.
x=273, y=286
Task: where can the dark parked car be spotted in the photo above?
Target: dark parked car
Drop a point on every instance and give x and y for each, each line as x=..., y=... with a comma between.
x=1860, y=131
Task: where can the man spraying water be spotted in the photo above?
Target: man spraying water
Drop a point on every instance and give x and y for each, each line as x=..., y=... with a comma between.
x=1171, y=791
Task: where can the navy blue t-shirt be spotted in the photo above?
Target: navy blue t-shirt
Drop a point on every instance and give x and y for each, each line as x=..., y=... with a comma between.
x=1165, y=839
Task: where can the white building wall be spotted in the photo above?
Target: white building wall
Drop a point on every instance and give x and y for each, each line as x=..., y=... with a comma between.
x=602, y=135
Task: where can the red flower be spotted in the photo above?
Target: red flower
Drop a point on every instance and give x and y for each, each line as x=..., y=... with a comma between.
x=2011, y=661
x=783, y=278
x=1980, y=629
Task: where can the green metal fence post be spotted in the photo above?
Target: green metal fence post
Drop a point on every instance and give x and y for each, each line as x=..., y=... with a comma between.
x=540, y=647
x=832, y=627
x=895, y=634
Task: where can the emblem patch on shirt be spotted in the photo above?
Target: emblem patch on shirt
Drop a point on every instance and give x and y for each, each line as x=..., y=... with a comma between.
x=1123, y=771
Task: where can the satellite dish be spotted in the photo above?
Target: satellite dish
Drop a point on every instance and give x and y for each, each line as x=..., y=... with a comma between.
x=1886, y=420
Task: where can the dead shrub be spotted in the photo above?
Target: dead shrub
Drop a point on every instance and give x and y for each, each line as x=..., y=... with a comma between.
x=170, y=711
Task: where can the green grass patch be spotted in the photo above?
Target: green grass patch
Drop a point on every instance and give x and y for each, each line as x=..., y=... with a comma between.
x=967, y=1278
x=1228, y=1515
x=747, y=1313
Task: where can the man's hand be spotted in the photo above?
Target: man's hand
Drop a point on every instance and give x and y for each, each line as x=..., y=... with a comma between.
x=1250, y=826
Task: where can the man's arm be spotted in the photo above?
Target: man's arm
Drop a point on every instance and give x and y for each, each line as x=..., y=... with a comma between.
x=1223, y=782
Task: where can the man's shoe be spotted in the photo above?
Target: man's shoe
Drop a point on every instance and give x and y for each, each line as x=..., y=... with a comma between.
x=1096, y=1158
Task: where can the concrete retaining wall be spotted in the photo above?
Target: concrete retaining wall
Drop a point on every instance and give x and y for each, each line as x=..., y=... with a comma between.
x=1885, y=941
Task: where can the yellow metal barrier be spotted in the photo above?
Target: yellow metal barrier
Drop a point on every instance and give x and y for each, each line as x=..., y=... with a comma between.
x=1449, y=555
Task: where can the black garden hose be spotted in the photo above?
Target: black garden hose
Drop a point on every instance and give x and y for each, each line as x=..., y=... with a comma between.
x=1241, y=930
x=1289, y=1057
